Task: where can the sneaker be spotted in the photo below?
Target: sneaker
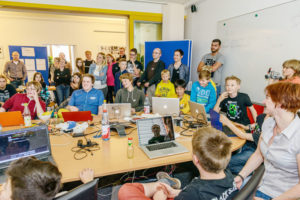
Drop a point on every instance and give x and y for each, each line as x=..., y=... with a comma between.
x=165, y=178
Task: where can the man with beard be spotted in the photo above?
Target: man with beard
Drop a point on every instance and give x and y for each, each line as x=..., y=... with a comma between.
x=215, y=60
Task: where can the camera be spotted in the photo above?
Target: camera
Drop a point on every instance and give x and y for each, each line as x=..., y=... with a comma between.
x=273, y=75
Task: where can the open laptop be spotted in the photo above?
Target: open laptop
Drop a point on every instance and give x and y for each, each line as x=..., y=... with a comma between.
x=13, y=118
x=165, y=106
x=25, y=142
x=78, y=116
x=215, y=122
x=198, y=112
x=156, y=137
x=118, y=110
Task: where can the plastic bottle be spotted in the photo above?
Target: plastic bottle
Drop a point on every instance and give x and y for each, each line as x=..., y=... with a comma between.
x=105, y=124
x=147, y=105
x=26, y=115
x=55, y=120
x=130, y=150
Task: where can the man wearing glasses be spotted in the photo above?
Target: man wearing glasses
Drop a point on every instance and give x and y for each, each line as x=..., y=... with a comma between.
x=134, y=66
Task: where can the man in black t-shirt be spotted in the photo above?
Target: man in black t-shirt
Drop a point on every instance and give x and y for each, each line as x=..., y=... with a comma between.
x=6, y=90
x=88, y=61
x=214, y=182
x=235, y=104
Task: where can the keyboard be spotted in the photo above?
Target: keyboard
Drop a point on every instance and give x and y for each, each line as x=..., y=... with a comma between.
x=160, y=146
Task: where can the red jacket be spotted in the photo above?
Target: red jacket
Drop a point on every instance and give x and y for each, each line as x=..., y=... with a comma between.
x=15, y=104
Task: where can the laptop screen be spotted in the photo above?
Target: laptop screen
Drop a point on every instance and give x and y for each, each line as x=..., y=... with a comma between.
x=155, y=130
x=25, y=142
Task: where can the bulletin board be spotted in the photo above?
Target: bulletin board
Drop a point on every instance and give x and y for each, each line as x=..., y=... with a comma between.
x=167, y=49
x=35, y=59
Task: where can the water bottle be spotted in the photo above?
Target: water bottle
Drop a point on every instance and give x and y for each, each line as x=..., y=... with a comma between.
x=105, y=124
x=26, y=115
x=147, y=105
x=130, y=150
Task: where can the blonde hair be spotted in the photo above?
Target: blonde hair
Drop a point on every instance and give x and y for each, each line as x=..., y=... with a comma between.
x=35, y=84
x=103, y=61
x=4, y=77
x=212, y=148
x=293, y=64
x=204, y=74
x=234, y=78
x=165, y=71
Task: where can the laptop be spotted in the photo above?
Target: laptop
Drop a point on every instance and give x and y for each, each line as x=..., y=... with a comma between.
x=118, y=110
x=25, y=142
x=13, y=118
x=156, y=137
x=165, y=106
x=198, y=112
x=215, y=122
x=78, y=116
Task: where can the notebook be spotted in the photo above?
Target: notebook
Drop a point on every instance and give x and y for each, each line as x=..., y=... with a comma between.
x=165, y=106
x=215, y=122
x=25, y=142
x=156, y=137
x=198, y=112
x=78, y=116
x=13, y=118
x=118, y=110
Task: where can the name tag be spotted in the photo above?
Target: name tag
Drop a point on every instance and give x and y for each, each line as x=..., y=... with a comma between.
x=92, y=98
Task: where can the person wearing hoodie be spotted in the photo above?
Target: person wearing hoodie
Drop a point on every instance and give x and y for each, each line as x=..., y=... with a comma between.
x=203, y=91
x=130, y=94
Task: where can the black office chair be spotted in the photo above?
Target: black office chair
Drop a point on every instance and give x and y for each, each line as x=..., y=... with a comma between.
x=248, y=191
x=88, y=191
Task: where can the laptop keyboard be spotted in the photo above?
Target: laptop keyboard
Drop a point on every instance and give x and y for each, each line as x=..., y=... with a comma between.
x=161, y=146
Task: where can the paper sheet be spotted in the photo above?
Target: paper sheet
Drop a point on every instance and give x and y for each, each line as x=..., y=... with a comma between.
x=30, y=75
x=40, y=64
x=30, y=64
x=28, y=51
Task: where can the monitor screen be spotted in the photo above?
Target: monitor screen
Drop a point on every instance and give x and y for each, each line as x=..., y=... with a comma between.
x=155, y=130
x=23, y=143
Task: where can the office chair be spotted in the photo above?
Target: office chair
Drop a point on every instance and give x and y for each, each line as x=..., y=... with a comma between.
x=248, y=191
x=88, y=191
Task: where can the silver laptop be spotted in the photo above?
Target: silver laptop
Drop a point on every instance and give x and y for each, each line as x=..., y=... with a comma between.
x=156, y=137
x=198, y=112
x=25, y=142
x=118, y=110
x=165, y=106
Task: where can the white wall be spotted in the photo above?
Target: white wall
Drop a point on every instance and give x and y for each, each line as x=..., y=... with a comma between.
x=34, y=28
x=104, y=4
x=173, y=22
x=201, y=26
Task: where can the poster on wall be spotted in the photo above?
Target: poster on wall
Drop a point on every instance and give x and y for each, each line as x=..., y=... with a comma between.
x=113, y=50
x=28, y=52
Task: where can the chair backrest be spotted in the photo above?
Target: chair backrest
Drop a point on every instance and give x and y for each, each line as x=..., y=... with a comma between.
x=88, y=191
x=248, y=191
x=259, y=109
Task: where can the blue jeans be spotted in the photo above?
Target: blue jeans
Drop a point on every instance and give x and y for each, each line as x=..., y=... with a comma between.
x=262, y=195
x=63, y=92
x=16, y=83
x=239, y=159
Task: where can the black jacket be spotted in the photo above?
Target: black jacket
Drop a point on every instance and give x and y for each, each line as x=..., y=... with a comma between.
x=157, y=74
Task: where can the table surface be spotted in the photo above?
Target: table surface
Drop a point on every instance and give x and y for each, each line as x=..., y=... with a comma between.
x=112, y=156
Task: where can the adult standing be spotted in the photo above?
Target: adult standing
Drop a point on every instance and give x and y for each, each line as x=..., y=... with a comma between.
x=177, y=69
x=216, y=61
x=79, y=66
x=134, y=66
x=6, y=90
x=152, y=74
x=15, y=70
x=62, y=56
x=99, y=70
x=52, y=68
x=110, y=78
x=88, y=61
x=62, y=79
x=121, y=53
x=278, y=146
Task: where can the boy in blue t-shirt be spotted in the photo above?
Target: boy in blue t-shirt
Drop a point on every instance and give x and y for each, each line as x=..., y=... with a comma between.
x=203, y=91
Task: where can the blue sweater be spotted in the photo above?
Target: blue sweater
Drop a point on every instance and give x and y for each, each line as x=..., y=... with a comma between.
x=204, y=95
x=118, y=83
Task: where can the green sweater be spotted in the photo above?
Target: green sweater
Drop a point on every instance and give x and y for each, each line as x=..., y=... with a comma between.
x=136, y=98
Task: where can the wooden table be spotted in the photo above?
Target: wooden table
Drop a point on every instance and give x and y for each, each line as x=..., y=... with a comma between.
x=112, y=157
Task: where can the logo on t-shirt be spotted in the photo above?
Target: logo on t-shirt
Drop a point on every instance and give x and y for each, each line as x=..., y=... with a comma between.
x=164, y=91
x=233, y=110
x=210, y=62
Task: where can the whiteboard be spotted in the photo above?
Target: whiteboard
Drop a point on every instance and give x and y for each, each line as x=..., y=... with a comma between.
x=254, y=42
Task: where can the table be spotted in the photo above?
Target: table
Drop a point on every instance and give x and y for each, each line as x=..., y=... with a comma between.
x=112, y=156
